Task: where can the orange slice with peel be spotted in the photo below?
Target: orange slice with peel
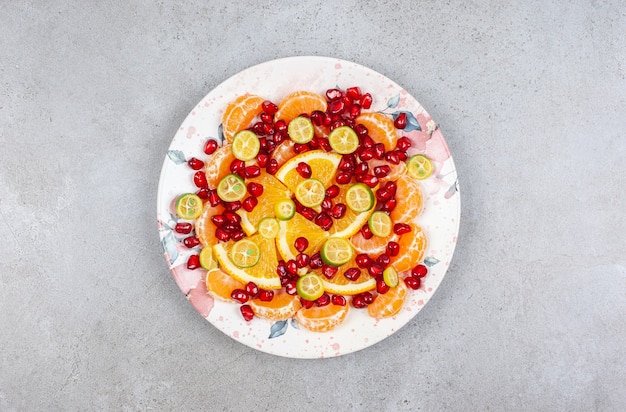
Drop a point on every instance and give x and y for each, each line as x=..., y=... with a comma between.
x=205, y=228
x=292, y=229
x=352, y=221
x=339, y=284
x=323, y=168
x=273, y=191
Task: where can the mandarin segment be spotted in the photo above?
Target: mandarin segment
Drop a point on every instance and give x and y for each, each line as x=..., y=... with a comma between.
x=322, y=319
x=407, y=188
x=205, y=228
x=388, y=304
x=239, y=114
x=412, y=249
x=218, y=165
x=282, y=306
x=220, y=285
x=298, y=103
x=380, y=128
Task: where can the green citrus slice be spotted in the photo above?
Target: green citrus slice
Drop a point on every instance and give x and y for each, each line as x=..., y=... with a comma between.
x=310, y=192
x=301, y=130
x=336, y=251
x=419, y=166
x=343, y=140
x=359, y=197
x=189, y=206
x=310, y=286
x=231, y=188
x=390, y=277
x=285, y=209
x=245, y=253
x=269, y=227
x=207, y=260
x=246, y=145
x=380, y=224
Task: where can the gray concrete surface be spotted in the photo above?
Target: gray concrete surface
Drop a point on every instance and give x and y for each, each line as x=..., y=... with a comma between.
x=531, y=97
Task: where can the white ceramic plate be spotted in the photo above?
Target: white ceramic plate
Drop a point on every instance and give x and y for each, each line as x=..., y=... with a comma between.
x=274, y=80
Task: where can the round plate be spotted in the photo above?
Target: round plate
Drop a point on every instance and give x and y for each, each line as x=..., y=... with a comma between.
x=274, y=80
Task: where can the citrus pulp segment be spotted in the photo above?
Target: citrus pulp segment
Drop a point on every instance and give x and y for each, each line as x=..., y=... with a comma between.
x=239, y=114
x=373, y=246
x=282, y=306
x=407, y=188
x=388, y=304
x=380, y=128
x=220, y=285
x=207, y=260
x=218, y=165
x=322, y=319
x=339, y=284
x=412, y=249
x=352, y=221
x=323, y=168
x=298, y=103
x=273, y=192
x=205, y=228
x=297, y=227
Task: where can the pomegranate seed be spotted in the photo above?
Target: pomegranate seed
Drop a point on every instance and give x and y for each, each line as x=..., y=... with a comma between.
x=392, y=187
x=199, y=178
x=358, y=302
x=353, y=92
x=338, y=123
x=327, y=120
x=383, y=194
x=193, y=262
x=280, y=126
x=336, y=107
x=239, y=295
x=363, y=261
x=195, y=164
x=393, y=248
x=222, y=235
x=402, y=155
x=327, y=204
x=214, y=198
x=255, y=189
x=300, y=148
x=389, y=205
x=392, y=157
x=420, y=271
x=266, y=295
x=352, y=274
x=183, y=228
x=375, y=270
x=367, y=142
x=262, y=159
x=353, y=111
x=343, y=178
x=258, y=129
x=263, y=143
x=272, y=166
x=324, y=221
x=338, y=300
x=382, y=171
x=280, y=137
x=325, y=145
x=302, y=260
x=191, y=241
x=329, y=271
x=308, y=213
x=230, y=228
x=238, y=235
x=381, y=286
x=369, y=180
x=383, y=260
x=246, y=312
x=333, y=94
x=413, y=282
x=232, y=206
x=366, y=232
x=338, y=211
x=266, y=117
x=314, y=144
x=317, y=117
x=269, y=107
x=301, y=244
x=252, y=171
x=323, y=300
x=361, y=169
x=237, y=166
x=379, y=151
x=400, y=121
x=365, y=153
x=218, y=220
x=401, y=228
x=281, y=269
x=368, y=298
x=203, y=193
x=252, y=289
x=347, y=163
x=403, y=143
x=316, y=261
x=232, y=218
x=366, y=101
x=292, y=267
x=304, y=170
x=332, y=192
x=346, y=100
x=210, y=146
x=360, y=130
x=307, y=304
x=290, y=287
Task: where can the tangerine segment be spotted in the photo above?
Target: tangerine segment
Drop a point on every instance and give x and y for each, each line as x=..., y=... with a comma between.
x=322, y=319
x=263, y=273
x=205, y=228
x=380, y=128
x=294, y=228
x=240, y=113
x=273, y=192
x=406, y=211
x=220, y=285
x=282, y=306
x=373, y=246
x=339, y=284
x=412, y=248
x=388, y=304
x=323, y=168
x=284, y=152
x=352, y=221
x=298, y=103
x=218, y=165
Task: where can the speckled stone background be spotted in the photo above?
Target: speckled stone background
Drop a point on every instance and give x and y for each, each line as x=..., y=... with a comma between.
x=531, y=97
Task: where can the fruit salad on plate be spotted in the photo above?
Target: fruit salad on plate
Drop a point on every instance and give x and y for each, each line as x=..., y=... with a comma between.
x=307, y=209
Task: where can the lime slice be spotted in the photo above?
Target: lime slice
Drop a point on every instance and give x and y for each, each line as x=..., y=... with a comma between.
x=390, y=277
x=246, y=145
x=285, y=209
x=189, y=206
x=419, y=166
x=245, y=253
x=301, y=130
x=231, y=188
x=343, y=140
x=269, y=227
x=207, y=260
x=336, y=251
x=310, y=287
x=380, y=224
x=359, y=197
x=310, y=192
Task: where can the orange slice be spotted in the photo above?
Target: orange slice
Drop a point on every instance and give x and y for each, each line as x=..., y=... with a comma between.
x=205, y=228
x=380, y=128
x=282, y=306
x=322, y=319
x=339, y=284
x=352, y=221
x=220, y=285
x=410, y=202
x=299, y=103
x=292, y=229
x=323, y=168
x=218, y=165
x=273, y=191
x=240, y=113
x=388, y=304
x=412, y=248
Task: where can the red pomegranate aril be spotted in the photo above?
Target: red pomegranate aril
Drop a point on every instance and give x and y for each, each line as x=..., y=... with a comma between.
x=358, y=302
x=336, y=107
x=347, y=101
x=368, y=298
x=307, y=304
x=249, y=203
x=258, y=129
x=400, y=121
x=272, y=166
x=236, y=166
x=300, y=148
x=347, y=163
x=366, y=101
x=317, y=117
x=210, y=146
x=325, y=145
x=363, y=261
x=375, y=270
x=332, y=192
x=237, y=235
x=413, y=282
x=263, y=142
x=203, y=193
x=323, y=300
x=403, y=143
x=352, y=274
x=232, y=206
x=214, y=198
x=353, y=111
x=361, y=169
x=290, y=287
x=255, y=189
x=232, y=218
x=327, y=205
x=379, y=151
x=333, y=94
x=391, y=186
x=301, y=244
x=262, y=159
x=191, y=241
x=308, y=213
x=420, y=271
x=382, y=171
x=195, y=164
x=218, y=220
x=338, y=123
x=338, y=300
x=316, y=261
x=338, y=211
x=365, y=153
x=199, y=179
x=230, y=228
x=393, y=248
x=381, y=286
x=389, y=205
x=370, y=180
x=266, y=117
x=360, y=130
x=328, y=120
x=353, y=92
x=252, y=289
x=269, y=107
x=280, y=126
x=239, y=295
x=383, y=259
x=343, y=178
x=193, y=262
x=183, y=228
x=329, y=271
x=366, y=232
x=247, y=312
x=392, y=157
x=323, y=219
x=383, y=194
x=304, y=170
x=314, y=144
x=292, y=267
x=401, y=228
x=367, y=142
x=302, y=260
x=253, y=171
x=266, y=295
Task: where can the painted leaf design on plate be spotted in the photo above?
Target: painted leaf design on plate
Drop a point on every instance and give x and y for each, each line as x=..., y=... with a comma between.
x=393, y=101
x=294, y=323
x=430, y=261
x=278, y=329
x=220, y=134
x=411, y=121
x=176, y=156
x=169, y=246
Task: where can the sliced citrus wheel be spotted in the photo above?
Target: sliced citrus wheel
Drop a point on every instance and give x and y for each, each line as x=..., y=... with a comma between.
x=189, y=206
x=231, y=188
x=269, y=228
x=343, y=140
x=273, y=192
x=390, y=277
x=239, y=114
x=245, y=253
x=419, y=166
x=322, y=318
x=301, y=130
x=380, y=224
x=207, y=260
x=352, y=221
x=246, y=145
x=310, y=286
x=218, y=165
x=339, y=284
x=205, y=228
x=285, y=209
x=282, y=306
x=412, y=248
x=323, y=168
x=297, y=227
x=298, y=103
x=380, y=128
x=263, y=273
x=310, y=192
x=360, y=198
x=220, y=285
x=336, y=251
x=388, y=304
x=409, y=190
